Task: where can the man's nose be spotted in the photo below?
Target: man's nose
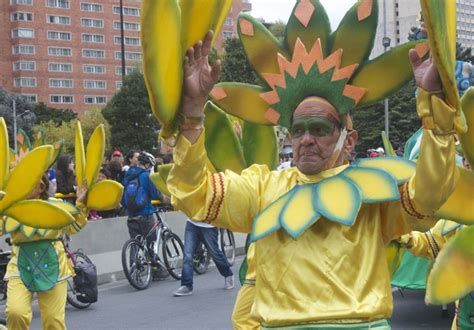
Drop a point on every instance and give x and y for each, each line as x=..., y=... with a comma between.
x=307, y=138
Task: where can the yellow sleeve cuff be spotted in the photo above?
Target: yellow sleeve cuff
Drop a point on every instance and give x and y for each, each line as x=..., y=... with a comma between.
x=435, y=114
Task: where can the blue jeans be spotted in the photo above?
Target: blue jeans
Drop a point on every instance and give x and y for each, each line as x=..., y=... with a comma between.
x=193, y=235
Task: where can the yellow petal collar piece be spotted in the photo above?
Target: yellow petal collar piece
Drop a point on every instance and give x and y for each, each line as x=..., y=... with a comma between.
x=337, y=198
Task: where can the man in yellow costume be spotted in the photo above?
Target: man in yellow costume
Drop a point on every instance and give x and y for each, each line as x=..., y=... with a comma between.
x=320, y=228
x=315, y=268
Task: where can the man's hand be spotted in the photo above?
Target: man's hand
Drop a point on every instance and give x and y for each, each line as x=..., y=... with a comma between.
x=199, y=77
x=426, y=74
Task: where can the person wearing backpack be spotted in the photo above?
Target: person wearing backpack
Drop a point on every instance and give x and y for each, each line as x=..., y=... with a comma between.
x=138, y=193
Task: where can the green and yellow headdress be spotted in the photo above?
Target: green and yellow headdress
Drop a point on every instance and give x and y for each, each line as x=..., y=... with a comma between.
x=313, y=61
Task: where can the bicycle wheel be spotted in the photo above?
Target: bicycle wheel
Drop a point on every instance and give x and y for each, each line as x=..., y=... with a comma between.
x=201, y=259
x=136, y=264
x=71, y=287
x=228, y=245
x=173, y=254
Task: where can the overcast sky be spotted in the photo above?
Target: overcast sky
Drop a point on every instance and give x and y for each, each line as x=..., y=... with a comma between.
x=273, y=10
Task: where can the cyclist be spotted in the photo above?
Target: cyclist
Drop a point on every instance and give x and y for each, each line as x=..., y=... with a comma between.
x=138, y=193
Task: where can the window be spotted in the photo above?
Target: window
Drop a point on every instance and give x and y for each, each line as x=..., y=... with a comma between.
x=61, y=99
x=23, y=50
x=92, y=68
x=93, y=53
x=118, y=84
x=55, y=19
x=95, y=99
x=64, y=4
x=24, y=66
x=60, y=83
x=59, y=51
x=227, y=34
x=127, y=26
x=91, y=22
x=127, y=11
x=20, y=16
x=60, y=67
x=55, y=35
x=228, y=21
x=95, y=38
x=23, y=33
x=129, y=41
x=21, y=2
x=95, y=84
x=24, y=82
x=94, y=7
x=30, y=98
x=128, y=70
x=131, y=56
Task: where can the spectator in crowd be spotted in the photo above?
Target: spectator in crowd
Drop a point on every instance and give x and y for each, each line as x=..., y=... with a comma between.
x=52, y=182
x=195, y=233
x=115, y=168
x=139, y=191
x=131, y=160
x=117, y=155
x=380, y=152
x=66, y=177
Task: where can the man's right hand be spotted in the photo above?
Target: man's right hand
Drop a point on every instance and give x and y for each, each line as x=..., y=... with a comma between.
x=199, y=77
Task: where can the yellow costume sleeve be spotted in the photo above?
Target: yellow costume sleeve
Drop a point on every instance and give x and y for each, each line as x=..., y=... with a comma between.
x=436, y=171
x=225, y=199
x=426, y=244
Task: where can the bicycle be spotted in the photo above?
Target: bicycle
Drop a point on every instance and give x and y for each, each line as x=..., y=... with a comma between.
x=75, y=258
x=138, y=260
x=202, y=257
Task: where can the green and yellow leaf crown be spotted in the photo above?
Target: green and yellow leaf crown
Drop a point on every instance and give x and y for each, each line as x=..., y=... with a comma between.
x=309, y=74
x=337, y=66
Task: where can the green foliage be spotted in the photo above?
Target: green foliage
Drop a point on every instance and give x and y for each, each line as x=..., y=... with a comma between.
x=25, y=118
x=45, y=114
x=66, y=130
x=133, y=125
x=403, y=121
x=278, y=30
x=235, y=65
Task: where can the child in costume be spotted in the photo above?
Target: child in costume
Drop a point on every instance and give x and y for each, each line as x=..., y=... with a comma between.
x=39, y=264
x=310, y=223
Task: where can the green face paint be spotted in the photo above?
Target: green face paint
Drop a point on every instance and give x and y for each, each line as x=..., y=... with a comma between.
x=315, y=126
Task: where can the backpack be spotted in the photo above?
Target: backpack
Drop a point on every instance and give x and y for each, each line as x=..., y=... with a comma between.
x=136, y=198
x=85, y=282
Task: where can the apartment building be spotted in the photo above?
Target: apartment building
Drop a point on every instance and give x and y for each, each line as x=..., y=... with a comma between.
x=401, y=16
x=229, y=28
x=67, y=53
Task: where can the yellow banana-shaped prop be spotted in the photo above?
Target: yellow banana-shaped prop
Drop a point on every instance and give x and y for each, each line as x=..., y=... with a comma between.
x=104, y=195
x=18, y=185
x=168, y=28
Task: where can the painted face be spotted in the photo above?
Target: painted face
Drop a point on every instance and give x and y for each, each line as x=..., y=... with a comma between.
x=314, y=134
x=101, y=177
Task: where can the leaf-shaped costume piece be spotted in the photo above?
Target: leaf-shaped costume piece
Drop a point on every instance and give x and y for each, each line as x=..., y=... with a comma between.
x=168, y=28
x=440, y=22
x=159, y=178
x=337, y=198
x=18, y=184
x=104, y=195
x=467, y=139
x=315, y=62
x=446, y=283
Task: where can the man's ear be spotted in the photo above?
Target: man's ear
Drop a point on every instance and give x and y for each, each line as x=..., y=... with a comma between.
x=351, y=141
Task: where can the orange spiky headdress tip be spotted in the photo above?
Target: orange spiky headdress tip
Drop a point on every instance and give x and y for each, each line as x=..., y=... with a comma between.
x=309, y=74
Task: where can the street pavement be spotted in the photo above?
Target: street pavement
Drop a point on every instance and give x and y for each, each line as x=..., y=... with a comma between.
x=122, y=307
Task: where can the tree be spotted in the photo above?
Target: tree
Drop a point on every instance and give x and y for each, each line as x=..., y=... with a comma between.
x=133, y=125
x=25, y=118
x=235, y=65
x=278, y=30
x=66, y=130
x=45, y=114
x=404, y=121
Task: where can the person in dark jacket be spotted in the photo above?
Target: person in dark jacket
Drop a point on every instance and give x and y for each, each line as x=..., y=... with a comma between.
x=140, y=221
x=66, y=177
